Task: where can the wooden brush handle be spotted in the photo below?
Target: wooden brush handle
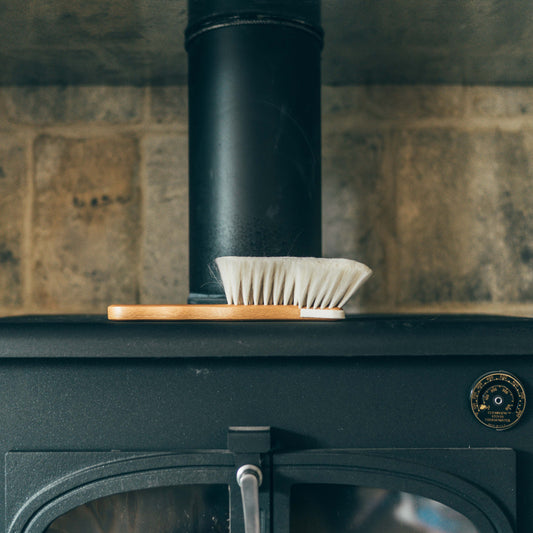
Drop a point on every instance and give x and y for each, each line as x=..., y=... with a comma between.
x=203, y=312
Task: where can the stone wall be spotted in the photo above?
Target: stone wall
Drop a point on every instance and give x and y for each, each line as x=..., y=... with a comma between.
x=432, y=186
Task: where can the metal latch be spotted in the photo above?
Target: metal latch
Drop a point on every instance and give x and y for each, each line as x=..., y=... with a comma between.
x=249, y=445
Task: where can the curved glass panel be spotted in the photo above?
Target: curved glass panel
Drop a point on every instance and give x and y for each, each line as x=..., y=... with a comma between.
x=324, y=508
x=180, y=509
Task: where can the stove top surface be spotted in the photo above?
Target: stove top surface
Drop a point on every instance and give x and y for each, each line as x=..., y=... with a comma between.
x=361, y=335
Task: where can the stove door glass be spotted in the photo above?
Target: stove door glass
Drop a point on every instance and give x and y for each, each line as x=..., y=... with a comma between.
x=324, y=508
x=179, y=509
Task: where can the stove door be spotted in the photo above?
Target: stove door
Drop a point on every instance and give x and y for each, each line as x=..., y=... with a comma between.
x=337, y=491
x=93, y=492
x=374, y=491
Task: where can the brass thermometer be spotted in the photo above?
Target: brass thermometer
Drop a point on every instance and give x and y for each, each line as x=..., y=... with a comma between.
x=498, y=400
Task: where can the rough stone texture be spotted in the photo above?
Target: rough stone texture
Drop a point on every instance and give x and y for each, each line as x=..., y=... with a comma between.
x=37, y=105
x=3, y=108
x=86, y=223
x=130, y=42
x=110, y=105
x=13, y=188
x=169, y=104
x=393, y=102
x=386, y=41
x=165, y=268
x=513, y=155
x=66, y=24
x=430, y=186
x=500, y=102
x=465, y=213
x=358, y=206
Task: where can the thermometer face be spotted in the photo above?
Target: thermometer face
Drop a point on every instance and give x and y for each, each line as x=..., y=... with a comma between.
x=498, y=400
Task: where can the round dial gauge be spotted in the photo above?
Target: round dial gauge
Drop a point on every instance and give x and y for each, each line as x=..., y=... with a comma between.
x=498, y=400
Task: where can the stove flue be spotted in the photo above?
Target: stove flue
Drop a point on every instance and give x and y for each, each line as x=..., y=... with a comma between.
x=254, y=133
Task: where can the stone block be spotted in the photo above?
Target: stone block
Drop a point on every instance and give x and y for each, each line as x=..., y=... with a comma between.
x=500, y=102
x=342, y=102
x=169, y=104
x=465, y=213
x=165, y=267
x=105, y=104
x=13, y=190
x=358, y=207
x=393, y=102
x=51, y=105
x=4, y=125
x=85, y=223
x=36, y=105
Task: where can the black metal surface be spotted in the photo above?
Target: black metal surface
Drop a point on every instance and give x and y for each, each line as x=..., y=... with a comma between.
x=487, y=498
x=307, y=11
x=371, y=335
x=254, y=138
x=81, y=477
x=176, y=387
x=402, y=472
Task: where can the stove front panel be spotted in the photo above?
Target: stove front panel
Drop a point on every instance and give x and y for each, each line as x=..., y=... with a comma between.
x=419, y=406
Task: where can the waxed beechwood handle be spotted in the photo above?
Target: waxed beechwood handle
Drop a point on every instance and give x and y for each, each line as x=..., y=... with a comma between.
x=220, y=312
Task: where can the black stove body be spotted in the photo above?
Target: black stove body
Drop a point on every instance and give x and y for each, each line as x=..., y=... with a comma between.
x=92, y=409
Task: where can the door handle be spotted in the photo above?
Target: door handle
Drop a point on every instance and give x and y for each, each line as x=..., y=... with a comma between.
x=249, y=479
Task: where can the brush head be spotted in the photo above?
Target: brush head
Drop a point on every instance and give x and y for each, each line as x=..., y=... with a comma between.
x=308, y=282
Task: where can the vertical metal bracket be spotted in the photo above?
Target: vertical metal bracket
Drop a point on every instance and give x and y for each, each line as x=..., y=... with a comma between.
x=249, y=444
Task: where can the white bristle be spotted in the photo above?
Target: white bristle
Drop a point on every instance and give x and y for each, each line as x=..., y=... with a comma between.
x=290, y=268
x=257, y=289
x=225, y=267
x=266, y=269
x=317, y=277
x=359, y=274
x=246, y=281
x=309, y=282
x=323, y=292
x=278, y=282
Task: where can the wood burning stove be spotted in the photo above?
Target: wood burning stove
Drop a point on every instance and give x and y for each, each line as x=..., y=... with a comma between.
x=372, y=424
x=350, y=423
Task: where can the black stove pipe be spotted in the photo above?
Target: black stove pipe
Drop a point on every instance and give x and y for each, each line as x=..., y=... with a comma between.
x=254, y=133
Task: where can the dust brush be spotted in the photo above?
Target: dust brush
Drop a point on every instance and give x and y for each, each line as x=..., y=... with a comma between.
x=267, y=288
